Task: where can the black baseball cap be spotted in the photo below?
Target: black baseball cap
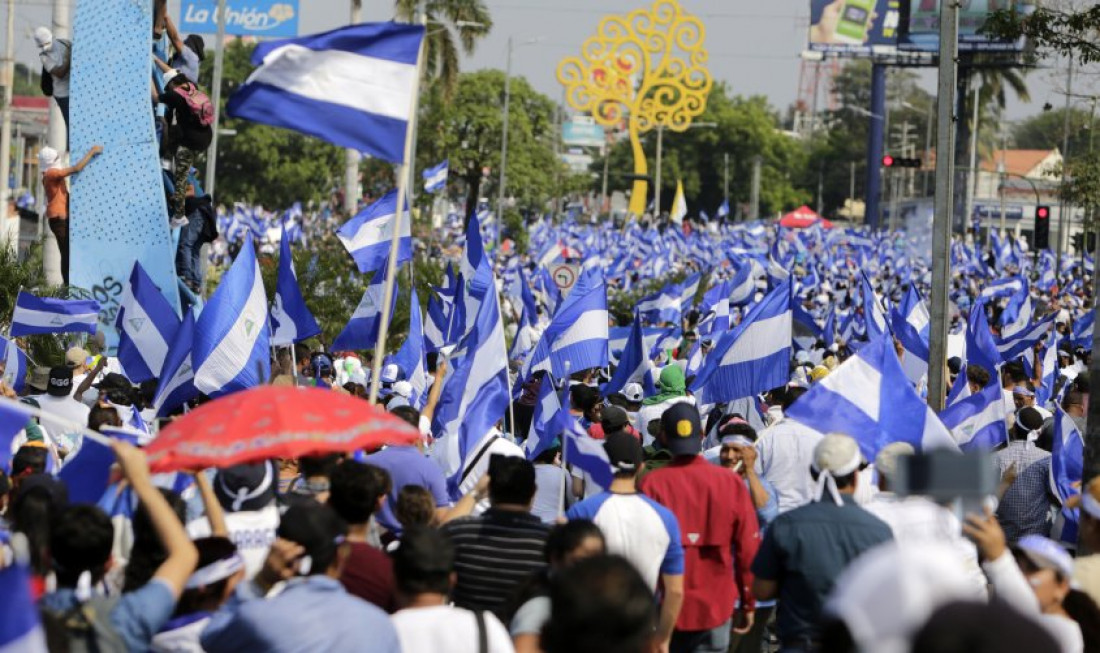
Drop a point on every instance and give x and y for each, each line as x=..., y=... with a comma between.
x=624, y=451
x=682, y=429
x=318, y=529
x=61, y=381
x=613, y=419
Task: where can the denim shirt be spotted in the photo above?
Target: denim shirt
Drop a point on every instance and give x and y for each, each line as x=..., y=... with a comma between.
x=138, y=616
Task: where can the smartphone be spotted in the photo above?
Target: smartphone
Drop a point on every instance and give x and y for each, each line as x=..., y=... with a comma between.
x=855, y=20
x=945, y=476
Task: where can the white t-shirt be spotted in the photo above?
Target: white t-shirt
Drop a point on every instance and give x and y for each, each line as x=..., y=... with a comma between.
x=252, y=531
x=447, y=628
x=551, y=482
x=499, y=445
x=67, y=409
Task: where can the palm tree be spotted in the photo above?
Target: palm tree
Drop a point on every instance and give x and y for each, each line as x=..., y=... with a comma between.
x=453, y=25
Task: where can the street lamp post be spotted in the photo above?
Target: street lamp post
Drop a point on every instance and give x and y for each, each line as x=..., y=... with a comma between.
x=657, y=178
x=504, y=137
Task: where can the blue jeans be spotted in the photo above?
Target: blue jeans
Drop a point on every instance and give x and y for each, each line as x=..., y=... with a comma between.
x=715, y=640
x=188, y=259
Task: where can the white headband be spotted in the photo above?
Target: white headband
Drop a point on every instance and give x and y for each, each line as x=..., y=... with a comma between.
x=215, y=571
x=738, y=440
x=827, y=478
x=244, y=494
x=1090, y=505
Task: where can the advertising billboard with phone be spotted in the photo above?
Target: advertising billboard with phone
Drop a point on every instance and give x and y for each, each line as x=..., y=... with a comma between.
x=854, y=27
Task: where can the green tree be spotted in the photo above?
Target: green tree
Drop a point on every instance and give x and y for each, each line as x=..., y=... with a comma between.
x=454, y=28
x=264, y=165
x=745, y=128
x=1044, y=131
x=466, y=130
x=27, y=82
x=1069, y=32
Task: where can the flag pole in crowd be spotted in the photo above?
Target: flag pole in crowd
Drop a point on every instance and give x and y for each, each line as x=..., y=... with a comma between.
x=399, y=215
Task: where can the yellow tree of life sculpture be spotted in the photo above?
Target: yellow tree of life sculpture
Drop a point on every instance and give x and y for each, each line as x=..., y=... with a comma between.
x=647, y=67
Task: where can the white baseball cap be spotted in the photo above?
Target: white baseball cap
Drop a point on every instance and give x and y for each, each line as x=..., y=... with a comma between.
x=633, y=392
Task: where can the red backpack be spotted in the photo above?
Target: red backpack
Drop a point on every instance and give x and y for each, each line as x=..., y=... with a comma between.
x=197, y=101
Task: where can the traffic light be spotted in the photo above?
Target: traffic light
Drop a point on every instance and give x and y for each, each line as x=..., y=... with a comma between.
x=891, y=161
x=1042, y=226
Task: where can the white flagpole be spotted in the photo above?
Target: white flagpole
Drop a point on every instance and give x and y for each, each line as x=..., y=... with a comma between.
x=395, y=240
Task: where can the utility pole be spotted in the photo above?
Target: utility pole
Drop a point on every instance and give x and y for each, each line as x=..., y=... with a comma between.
x=504, y=146
x=8, y=73
x=351, y=158
x=604, y=206
x=726, y=174
x=754, y=194
x=851, y=188
x=972, y=173
x=219, y=71
x=1063, y=206
x=657, y=180
x=942, y=217
x=1001, y=170
x=877, y=117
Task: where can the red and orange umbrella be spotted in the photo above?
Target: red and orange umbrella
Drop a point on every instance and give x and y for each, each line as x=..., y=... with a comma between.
x=274, y=422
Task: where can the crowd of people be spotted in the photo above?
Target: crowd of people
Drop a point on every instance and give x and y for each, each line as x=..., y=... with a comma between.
x=711, y=521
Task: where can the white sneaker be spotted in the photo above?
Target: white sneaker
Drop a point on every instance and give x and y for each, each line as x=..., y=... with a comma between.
x=181, y=221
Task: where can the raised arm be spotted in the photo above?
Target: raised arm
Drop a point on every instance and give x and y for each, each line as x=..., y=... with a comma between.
x=173, y=33
x=182, y=554
x=211, y=506
x=80, y=165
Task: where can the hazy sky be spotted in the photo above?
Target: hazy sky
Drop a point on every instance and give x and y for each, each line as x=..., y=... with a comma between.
x=753, y=44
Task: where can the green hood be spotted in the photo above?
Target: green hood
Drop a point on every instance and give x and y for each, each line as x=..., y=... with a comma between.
x=671, y=384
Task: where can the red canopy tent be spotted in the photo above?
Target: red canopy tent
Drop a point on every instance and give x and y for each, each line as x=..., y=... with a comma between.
x=803, y=217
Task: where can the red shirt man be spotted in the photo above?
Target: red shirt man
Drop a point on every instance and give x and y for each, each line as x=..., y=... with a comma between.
x=718, y=527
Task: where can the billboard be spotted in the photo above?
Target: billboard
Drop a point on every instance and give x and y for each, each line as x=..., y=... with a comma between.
x=582, y=131
x=854, y=27
x=921, y=26
x=243, y=17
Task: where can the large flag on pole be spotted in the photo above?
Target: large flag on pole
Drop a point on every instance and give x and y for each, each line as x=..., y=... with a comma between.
x=369, y=234
x=869, y=398
x=291, y=320
x=352, y=87
x=1066, y=470
x=15, y=366
x=755, y=356
x=231, y=335
x=146, y=325
x=177, y=380
x=49, y=315
x=361, y=331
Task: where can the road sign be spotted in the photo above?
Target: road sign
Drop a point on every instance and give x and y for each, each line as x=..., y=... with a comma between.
x=565, y=276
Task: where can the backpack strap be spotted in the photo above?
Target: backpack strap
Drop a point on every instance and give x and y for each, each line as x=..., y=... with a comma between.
x=482, y=632
x=480, y=453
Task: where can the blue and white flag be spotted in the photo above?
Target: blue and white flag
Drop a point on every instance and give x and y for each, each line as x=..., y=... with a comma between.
x=978, y=421
x=869, y=398
x=541, y=434
x=352, y=87
x=231, y=335
x=723, y=209
x=1024, y=340
x=910, y=326
x=1050, y=371
x=1017, y=313
x=980, y=346
x=634, y=364
x=13, y=418
x=87, y=473
x=475, y=394
x=49, y=315
x=146, y=325
x=1003, y=287
x=368, y=235
x=177, y=380
x=435, y=178
x=661, y=306
x=755, y=356
x=873, y=316
x=743, y=286
x=1067, y=460
x=576, y=338
x=361, y=331
x=15, y=366
x=291, y=320
x=20, y=628
x=1082, y=331
x=580, y=450
x=410, y=358
x=688, y=289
